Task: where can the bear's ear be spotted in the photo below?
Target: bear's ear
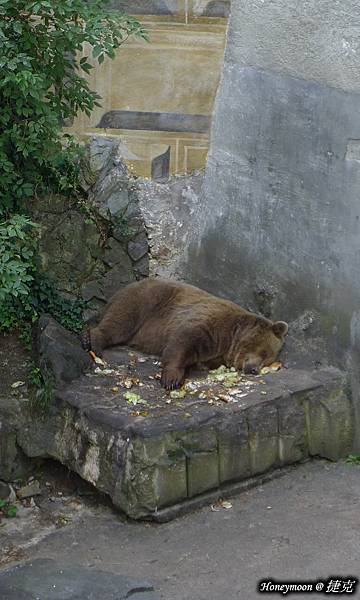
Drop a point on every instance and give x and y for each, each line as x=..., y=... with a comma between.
x=280, y=328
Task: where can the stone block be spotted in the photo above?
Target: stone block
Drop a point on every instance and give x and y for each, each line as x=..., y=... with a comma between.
x=61, y=357
x=8, y=452
x=203, y=472
x=330, y=421
x=14, y=463
x=138, y=247
x=141, y=268
x=92, y=289
x=154, y=477
x=263, y=437
x=115, y=254
x=234, y=451
x=293, y=440
x=119, y=276
x=5, y=490
x=200, y=448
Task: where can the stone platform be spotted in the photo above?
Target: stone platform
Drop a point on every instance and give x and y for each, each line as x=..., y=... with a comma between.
x=157, y=454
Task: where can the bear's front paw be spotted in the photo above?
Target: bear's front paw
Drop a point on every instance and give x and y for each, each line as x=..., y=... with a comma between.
x=172, y=378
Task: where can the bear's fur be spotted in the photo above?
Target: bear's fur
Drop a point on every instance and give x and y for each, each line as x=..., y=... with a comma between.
x=186, y=326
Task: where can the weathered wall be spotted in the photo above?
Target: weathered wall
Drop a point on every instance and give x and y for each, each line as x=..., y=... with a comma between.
x=168, y=211
x=278, y=225
x=158, y=96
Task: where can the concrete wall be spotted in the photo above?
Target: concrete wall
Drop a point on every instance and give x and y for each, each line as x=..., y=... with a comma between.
x=278, y=225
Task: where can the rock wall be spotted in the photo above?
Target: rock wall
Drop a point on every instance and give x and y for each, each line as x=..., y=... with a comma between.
x=128, y=227
x=94, y=249
x=278, y=221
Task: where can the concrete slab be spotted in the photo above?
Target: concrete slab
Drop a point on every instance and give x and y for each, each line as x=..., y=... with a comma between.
x=150, y=450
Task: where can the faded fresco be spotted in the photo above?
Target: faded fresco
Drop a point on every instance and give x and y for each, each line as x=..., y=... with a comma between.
x=205, y=8
x=158, y=96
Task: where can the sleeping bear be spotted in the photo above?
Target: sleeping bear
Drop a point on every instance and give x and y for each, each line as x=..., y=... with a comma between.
x=185, y=326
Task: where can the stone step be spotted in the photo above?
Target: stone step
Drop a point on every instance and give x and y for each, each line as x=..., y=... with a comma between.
x=165, y=454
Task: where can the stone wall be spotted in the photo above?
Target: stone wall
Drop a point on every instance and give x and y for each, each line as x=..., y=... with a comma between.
x=95, y=248
x=278, y=223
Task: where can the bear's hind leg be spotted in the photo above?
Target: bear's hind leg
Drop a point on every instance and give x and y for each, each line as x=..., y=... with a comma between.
x=116, y=328
x=109, y=333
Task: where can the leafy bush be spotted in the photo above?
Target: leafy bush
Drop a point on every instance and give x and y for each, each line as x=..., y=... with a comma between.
x=17, y=251
x=41, y=85
x=7, y=510
x=43, y=297
x=353, y=459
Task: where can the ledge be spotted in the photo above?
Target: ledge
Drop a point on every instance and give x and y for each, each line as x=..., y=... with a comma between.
x=167, y=455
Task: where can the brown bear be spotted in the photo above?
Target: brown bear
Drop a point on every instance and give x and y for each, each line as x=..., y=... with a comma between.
x=185, y=326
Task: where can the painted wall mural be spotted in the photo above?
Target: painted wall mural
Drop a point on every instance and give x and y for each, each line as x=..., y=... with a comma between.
x=206, y=8
x=158, y=96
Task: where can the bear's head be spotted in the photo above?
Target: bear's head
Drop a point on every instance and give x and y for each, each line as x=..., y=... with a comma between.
x=258, y=344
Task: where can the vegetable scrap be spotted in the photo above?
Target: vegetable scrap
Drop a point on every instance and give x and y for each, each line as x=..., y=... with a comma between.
x=135, y=399
x=181, y=393
x=97, y=360
x=99, y=371
x=17, y=384
x=276, y=366
x=221, y=504
x=227, y=376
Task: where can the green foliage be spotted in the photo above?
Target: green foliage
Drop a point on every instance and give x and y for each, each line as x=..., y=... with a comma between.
x=21, y=312
x=353, y=459
x=42, y=85
x=7, y=509
x=25, y=293
x=18, y=243
x=41, y=393
x=34, y=377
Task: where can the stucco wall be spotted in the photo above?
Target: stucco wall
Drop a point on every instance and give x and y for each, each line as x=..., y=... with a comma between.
x=278, y=224
x=158, y=96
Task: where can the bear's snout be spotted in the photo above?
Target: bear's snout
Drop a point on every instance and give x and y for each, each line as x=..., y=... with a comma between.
x=250, y=369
